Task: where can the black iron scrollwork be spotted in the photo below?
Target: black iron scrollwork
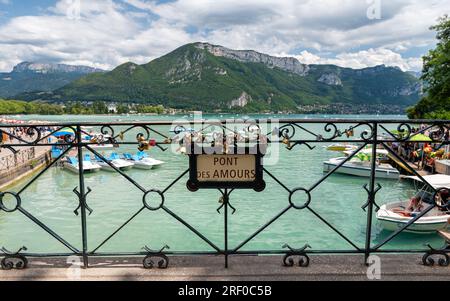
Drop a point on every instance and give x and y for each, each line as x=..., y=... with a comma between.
x=13, y=260
x=286, y=133
x=179, y=129
x=444, y=259
x=371, y=196
x=6, y=208
x=221, y=201
x=288, y=259
x=70, y=138
x=147, y=203
x=82, y=199
x=305, y=203
x=404, y=131
x=366, y=135
x=330, y=128
x=441, y=198
x=291, y=146
x=10, y=148
x=107, y=130
x=149, y=262
x=32, y=131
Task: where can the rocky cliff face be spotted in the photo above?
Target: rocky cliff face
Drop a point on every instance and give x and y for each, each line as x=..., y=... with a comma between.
x=331, y=79
x=242, y=101
x=289, y=64
x=28, y=77
x=408, y=90
x=45, y=68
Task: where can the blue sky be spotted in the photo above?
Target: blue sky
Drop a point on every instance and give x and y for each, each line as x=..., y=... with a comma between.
x=106, y=33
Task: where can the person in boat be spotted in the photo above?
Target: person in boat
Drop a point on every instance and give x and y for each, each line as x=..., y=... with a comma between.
x=415, y=206
x=443, y=198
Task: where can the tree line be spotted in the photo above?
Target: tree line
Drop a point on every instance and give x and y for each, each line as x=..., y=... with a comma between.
x=436, y=77
x=8, y=107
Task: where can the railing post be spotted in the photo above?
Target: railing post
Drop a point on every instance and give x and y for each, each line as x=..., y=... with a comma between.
x=225, y=201
x=371, y=197
x=82, y=196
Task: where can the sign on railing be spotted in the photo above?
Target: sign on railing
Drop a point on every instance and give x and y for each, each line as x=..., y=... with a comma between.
x=226, y=171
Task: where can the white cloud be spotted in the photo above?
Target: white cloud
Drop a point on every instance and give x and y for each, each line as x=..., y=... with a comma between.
x=104, y=36
x=107, y=32
x=363, y=59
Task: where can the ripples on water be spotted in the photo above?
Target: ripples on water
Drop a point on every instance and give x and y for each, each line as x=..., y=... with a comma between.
x=114, y=200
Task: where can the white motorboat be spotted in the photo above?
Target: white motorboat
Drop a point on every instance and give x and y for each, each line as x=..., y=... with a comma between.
x=393, y=216
x=88, y=166
x=356, y=167
x=117, y=162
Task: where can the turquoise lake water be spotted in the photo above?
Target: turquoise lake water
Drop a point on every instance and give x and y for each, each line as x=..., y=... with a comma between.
x=113, y=200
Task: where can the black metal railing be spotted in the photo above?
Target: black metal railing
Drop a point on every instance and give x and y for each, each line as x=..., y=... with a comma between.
x=289, y=134
x=13, y=160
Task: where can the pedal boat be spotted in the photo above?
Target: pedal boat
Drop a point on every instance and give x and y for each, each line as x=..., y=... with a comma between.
x=88, y=166
x=117, y=162
x=144, y=157
x=139, y=163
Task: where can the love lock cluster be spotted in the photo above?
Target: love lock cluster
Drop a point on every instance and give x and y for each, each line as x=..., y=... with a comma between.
x=144, y=144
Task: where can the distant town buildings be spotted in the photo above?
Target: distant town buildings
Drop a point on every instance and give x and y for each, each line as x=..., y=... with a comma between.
x=342, y=108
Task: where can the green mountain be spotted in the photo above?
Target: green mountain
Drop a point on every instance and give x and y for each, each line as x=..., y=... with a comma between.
x=206, y=77
x=29, y=77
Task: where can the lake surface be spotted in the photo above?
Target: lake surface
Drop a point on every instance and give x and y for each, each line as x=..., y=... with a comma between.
x=113, y=200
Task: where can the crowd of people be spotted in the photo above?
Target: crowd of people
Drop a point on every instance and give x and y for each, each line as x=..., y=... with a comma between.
x=22, y=132
x=424, y=154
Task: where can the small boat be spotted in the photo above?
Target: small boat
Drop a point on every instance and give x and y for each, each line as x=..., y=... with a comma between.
x=436, y=219
x=144, y=157
x=88, y=166
x=382, y=154
x=356, y=167
x=116, y=161
x=339, y=147
x=138, y=162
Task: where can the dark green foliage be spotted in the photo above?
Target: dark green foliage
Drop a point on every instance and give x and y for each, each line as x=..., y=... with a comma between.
x=436, y=76
x=21, y=107
x=9, y=107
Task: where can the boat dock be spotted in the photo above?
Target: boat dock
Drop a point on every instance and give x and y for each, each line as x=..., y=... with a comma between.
x=408, y=169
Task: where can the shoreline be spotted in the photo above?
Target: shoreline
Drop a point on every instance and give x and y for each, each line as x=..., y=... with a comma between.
x=25, y=170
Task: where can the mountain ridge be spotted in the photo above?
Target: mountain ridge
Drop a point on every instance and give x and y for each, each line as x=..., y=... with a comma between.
x=36, y=76
x=40, y=67
x=211, y=77
x=289, y=64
